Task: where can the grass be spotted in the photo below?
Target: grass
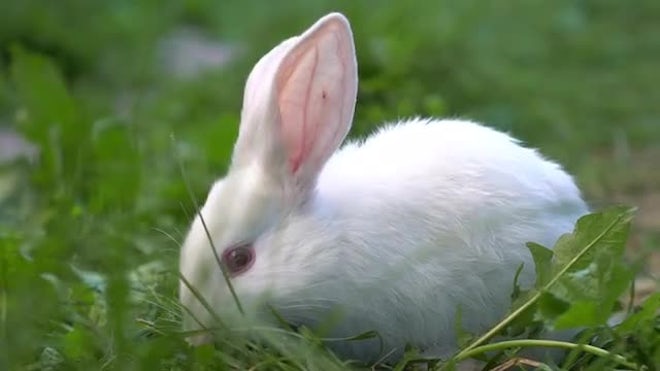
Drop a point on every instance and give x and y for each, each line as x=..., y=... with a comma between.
x=89, y=228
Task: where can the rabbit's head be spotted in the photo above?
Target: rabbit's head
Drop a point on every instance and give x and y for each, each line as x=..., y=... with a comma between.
x=297, y=108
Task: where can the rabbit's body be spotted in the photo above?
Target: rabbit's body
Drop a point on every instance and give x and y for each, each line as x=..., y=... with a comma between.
x=394, y=234
x=435, y=214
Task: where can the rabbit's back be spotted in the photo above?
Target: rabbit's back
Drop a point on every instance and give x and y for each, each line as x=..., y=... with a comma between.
x=459, y=166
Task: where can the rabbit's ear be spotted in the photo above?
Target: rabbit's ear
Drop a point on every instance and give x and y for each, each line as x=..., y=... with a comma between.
x=299, y=102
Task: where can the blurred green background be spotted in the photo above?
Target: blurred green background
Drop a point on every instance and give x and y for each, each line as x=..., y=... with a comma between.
x=101, y=100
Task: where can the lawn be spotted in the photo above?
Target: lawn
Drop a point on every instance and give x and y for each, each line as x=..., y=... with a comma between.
x=103, y=103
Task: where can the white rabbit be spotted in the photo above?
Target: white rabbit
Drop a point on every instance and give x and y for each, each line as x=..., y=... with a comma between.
x=392, y=234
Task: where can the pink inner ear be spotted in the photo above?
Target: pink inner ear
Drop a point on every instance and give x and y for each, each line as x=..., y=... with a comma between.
x=312, y=86
x=297, y=131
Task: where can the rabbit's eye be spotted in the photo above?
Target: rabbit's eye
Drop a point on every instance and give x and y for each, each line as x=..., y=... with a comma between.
x=238, y=259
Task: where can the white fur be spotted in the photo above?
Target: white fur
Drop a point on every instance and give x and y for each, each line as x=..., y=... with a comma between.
x=392, y=234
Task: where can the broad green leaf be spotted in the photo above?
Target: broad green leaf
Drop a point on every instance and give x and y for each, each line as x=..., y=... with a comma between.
x=542, y=262
x=604, y=232
x=588, y=269
x=550, y=306
x=582, y=313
